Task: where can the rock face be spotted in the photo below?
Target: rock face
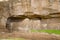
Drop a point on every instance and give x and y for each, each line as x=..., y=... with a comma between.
x=42, y=8
x=3, y=14
x=53, y=23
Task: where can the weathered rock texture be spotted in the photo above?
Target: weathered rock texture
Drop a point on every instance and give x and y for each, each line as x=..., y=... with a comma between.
x=38, y=7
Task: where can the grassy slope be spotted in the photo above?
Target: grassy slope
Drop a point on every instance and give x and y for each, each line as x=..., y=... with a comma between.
x=47, y=31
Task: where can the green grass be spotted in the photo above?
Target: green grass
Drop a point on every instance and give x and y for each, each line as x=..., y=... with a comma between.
x=47, y=31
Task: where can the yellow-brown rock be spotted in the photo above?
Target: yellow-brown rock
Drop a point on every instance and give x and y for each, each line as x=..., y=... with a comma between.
x=32, y=11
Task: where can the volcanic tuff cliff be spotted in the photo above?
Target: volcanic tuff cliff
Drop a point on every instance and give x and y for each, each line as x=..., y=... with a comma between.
x=47, y=9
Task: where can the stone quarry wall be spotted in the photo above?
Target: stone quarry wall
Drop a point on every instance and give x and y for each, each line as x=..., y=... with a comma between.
x=51, y=24
x=40, y=7
x=3, y=12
